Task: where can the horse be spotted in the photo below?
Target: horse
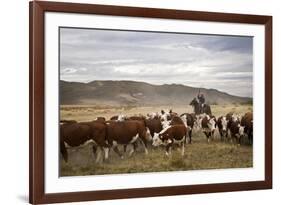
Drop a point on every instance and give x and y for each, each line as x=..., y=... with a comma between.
x=196, y=105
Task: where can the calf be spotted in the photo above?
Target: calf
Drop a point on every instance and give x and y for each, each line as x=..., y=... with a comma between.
x=81, y=134
x=171, y=135
x=126, y=132
x=222, y=126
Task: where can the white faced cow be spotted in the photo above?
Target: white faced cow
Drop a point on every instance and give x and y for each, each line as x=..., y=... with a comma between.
x=222, y=126
x=208, y=126
x=174, y=134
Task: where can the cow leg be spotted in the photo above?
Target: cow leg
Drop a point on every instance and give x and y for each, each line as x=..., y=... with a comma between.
x=116, y=150
x=213, y=135
x=98, y=157
x=125, y=148
x=190, y=134
x=106, y=152
x=239, y=140
x=221, y=134
x=168, y=149
x=208, y=136
x=94, y=149
x=63, y=151
x=183, y=146
x=134, y=149
x=145, y=146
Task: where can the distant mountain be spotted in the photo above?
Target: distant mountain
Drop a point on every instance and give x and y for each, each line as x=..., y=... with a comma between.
x=116, y=93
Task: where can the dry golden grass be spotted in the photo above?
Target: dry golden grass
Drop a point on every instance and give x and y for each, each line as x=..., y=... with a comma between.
x=198, y=155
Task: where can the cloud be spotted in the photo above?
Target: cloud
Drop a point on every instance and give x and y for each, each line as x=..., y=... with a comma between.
x=210, y=61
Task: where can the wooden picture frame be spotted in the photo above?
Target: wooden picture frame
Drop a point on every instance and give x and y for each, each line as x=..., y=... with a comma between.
x=37, y=101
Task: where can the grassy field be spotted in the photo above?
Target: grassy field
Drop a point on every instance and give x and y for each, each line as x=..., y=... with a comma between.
x=198, y=155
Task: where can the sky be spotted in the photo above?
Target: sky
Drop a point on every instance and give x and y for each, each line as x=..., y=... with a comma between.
x=220, y=62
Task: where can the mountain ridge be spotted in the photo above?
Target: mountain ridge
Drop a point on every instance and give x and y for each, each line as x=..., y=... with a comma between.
x=128, y=93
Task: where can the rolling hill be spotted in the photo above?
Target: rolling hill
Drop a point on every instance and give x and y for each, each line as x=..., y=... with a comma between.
x=132, y=93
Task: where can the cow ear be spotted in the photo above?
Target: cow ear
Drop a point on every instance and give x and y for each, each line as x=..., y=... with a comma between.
x=162, y=112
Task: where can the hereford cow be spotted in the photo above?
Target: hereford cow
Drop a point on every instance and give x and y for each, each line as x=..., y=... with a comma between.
x=236, y=131
x=166, y=118
x=208, y=126
x=247, y=122
x=81, y=134
x=189, y=120
x=174, y=134
x=154, y=125
x=126, y=132
x=222, y=126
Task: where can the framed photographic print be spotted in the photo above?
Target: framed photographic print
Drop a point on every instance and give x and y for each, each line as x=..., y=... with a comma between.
x=140, y=102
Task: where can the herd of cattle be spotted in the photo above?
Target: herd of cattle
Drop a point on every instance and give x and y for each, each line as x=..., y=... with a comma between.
x=164, y=128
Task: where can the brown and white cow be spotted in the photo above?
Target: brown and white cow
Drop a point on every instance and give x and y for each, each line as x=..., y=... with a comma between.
x=81, y=134
x=189, y=120
x=222, y=123
x=126, y=132
x=174, y=134
x=176, y=120
x=235, y=127
x=208, y=126
x=237, y=131
x=247, y=122
x=154, y=125
x=166, y=117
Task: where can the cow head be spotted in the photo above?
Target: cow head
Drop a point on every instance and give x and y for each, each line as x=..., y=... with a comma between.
x=224, y=123
x=157, y=141
x=241, y=130
x=212, y=124
x=161, y=139
x=236, y=118
x=121, y=118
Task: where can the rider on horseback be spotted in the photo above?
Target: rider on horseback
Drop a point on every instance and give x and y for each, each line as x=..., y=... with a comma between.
x=201, y=100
